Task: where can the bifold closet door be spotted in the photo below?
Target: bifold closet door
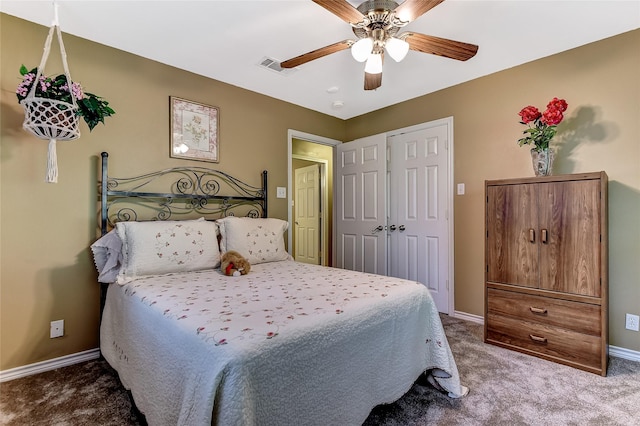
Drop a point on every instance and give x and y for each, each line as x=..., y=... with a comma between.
x=360, y=195
x=418, y=228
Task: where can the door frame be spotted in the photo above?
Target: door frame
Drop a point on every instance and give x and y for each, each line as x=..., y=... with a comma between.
x=296, y=134
x=449, y=188
x=324, y=205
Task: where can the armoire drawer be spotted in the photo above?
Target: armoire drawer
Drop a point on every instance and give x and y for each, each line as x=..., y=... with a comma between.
x=552, y=341
x=579, y=317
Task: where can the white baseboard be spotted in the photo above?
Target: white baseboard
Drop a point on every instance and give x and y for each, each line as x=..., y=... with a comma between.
x=468, y=317
x=615, y=351
x=624, y=353
x=50, y=364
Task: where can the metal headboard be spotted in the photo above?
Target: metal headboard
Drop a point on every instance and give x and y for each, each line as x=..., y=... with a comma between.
x=178, y=192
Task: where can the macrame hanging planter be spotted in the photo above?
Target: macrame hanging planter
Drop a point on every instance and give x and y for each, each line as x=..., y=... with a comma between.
x=51, y=119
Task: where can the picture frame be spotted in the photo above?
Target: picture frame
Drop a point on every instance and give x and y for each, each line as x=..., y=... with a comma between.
x=194, y=130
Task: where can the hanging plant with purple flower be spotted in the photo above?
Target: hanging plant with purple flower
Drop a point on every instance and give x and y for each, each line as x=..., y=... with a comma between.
x=92, y=108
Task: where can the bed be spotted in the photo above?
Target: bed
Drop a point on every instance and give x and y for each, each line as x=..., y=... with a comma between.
x=288, y=343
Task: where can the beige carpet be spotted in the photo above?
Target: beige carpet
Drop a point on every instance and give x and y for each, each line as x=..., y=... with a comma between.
x=507, y=388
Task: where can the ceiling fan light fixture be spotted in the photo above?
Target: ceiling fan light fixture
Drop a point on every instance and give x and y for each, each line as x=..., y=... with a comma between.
x=361, y=49
x=397, y=48
x=376, y=25
x=374, y=64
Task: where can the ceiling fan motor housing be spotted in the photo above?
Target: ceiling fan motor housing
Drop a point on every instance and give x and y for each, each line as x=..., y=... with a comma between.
x=377, y=5
x=379, y=22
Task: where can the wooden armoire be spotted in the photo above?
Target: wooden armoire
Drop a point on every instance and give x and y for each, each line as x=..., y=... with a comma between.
x=546, y=276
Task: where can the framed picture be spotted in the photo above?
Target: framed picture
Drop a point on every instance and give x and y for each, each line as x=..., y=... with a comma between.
x=194, y=130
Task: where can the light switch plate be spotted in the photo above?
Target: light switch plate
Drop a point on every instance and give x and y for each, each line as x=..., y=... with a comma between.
x=461, y=189
x=281, y=192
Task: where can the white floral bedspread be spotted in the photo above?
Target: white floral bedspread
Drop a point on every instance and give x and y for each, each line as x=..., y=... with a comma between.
x=289, y=343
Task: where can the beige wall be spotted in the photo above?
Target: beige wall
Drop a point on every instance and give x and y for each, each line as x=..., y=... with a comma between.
x=46, y=270
x=601, y=83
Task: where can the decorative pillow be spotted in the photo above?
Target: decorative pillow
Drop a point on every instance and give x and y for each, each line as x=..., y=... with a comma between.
x=260, y=240
x=163, y=247
x=107, y=255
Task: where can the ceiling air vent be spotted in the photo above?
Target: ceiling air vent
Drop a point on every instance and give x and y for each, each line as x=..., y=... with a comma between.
x=273, y=65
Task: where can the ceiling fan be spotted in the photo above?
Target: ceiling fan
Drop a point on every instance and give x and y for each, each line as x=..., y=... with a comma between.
x=376, y=24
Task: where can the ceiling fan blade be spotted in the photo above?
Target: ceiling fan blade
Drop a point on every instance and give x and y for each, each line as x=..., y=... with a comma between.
x=372, y=81
x=342, y=9
x=315, y=54
x=440, y=46
x=412, y=9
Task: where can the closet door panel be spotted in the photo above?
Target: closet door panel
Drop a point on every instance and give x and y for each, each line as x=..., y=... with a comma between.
x=361, y=195
x=418, y=216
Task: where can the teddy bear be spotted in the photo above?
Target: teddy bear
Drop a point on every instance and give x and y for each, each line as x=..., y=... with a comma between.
x=234, y=264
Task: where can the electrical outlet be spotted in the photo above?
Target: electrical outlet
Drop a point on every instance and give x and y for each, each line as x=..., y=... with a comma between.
x=57, y=329
x=633, y=322
x=281, y=192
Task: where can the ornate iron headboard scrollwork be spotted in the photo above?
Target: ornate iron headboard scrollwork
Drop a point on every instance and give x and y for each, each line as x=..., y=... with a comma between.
x=178, y=193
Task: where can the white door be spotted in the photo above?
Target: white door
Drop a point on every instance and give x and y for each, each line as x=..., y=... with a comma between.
x=307, y=214
x=360, y=201
x=418, y=223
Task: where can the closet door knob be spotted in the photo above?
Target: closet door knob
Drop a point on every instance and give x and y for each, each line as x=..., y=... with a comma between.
x=402, y=228
x=392, y=228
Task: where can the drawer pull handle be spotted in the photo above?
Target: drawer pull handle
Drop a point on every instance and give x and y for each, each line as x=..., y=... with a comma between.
x=535, y=310
x=532, y=235
x=538, y=338
x=545, y=236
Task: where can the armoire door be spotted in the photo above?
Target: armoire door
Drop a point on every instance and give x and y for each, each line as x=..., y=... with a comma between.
x=512, y=235
x=570, y=237
x=360, y=203
x=418, y=223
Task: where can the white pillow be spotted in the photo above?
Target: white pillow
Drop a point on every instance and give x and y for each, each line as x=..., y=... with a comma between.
x=107, y=255
x=260, y=240
x=163, y=247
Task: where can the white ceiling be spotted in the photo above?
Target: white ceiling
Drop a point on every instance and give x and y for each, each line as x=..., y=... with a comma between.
x=226, y=40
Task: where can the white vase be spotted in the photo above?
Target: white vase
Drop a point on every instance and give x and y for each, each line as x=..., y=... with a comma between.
x=543, y=161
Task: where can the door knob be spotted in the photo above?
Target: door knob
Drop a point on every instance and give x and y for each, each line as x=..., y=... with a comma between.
x=377, y=229
x=392, y=228
x=402, y=228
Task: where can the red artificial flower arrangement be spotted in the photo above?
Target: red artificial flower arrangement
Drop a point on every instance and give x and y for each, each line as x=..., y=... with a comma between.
x=542, y=126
